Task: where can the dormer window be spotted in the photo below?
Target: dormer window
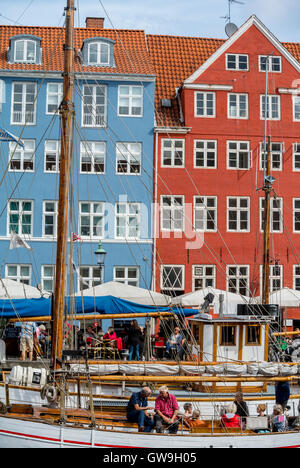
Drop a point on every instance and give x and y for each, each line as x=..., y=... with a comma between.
x=98, y=52
x=25, y=49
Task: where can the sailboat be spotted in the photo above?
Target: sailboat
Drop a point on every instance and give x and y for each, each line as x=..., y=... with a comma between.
x=28, y=425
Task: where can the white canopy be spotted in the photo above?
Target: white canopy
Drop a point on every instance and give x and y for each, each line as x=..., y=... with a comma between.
x=285, y=297
x=10, y=289
x=196, y=299
x=129, y=293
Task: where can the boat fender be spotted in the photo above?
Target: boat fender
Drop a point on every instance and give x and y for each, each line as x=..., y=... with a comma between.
x=49, y=392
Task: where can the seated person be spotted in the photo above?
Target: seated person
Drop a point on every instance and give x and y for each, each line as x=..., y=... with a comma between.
x=188, y=410
x=241, y=406
x=90, y=336
x=229, y=418
x=278, y=419
x=195, y=420
x=166, y=408
x=175, y=343
x=137, y=410
x=261, y=409
x=112, y=336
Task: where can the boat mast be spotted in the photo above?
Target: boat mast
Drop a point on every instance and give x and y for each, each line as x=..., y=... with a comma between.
x=267, y=187
x=66, y=112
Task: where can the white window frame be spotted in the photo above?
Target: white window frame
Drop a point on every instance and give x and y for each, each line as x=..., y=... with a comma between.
x=237, y=153
x=273, y=153
x=100, y=45
x=20, y=213
x=208, y=281
x=172, y=211
x=242, y=280
x=205, y=150
x=57, y=96
x=53, y=153
x=270, y=62
x=237, y=68
x=91, y=215
x=128, y=216
x=126, y=279
x=296, y=211
x=54, y=214
x=26, y=156
x=97, y=119
x=238, y=209
x=238, y=97
x=130, y=97
x=273, y=210
x=173, y=150
x=171, y=287
x=48, y=278
x=296, y=276
x=92, y=280
x=19, y=277
x=32, y=105
x=205, y=107
x=272, y=277
x=25, y=58
x=128, y=158
x=296, y=155
x=296, y=102
x=203, y=209
x=93, y=152
x=269, y=100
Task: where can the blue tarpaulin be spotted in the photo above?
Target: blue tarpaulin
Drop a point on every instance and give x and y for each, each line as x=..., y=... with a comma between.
x=22, y=308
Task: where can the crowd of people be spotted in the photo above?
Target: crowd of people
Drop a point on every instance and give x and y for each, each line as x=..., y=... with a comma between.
x=166, y=415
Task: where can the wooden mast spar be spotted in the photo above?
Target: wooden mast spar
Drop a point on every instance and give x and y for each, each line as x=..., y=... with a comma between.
x=66, y=111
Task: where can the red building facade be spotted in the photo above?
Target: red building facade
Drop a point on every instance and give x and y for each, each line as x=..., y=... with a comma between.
x=209, y=147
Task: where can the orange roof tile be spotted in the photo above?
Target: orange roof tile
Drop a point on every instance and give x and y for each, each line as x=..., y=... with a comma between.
x=130, y=50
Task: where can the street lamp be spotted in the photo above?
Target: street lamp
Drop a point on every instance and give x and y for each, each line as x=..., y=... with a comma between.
x=100, y=253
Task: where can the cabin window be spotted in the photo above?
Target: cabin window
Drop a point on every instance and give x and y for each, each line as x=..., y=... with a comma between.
x=228, y=335
x=91, y=219
x=127, y=220
x=54, y=97
x=23, y=109
x=205, y=104
x=20, y=215
x=48, y=277
x=253, y=335
x=89, y=277
x=204, y=276
x=22, y=159
x=237, y=62
x=272, y=110
x=172, y=213
x=205, y=154
x=274, y=63
x=19, y=273
x=205, y=214
x=127, y=275
x=130, y=101
x=92, y=157
x=276, y=214
x=129, y=157
x=172, y=153
x=50, y=218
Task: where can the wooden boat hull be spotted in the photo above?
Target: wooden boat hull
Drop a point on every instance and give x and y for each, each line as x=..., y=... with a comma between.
x=20, y=433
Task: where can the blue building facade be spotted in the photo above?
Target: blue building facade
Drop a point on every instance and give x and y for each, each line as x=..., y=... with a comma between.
x=111, y=186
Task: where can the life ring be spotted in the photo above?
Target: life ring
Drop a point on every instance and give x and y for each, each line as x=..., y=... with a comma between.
x=49, y=392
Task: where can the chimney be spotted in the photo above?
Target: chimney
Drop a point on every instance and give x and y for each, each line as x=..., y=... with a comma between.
x=94, y=23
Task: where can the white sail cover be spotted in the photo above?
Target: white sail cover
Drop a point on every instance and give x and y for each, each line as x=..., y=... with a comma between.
x=196, y=299
x=129, y=293
x=286, y=297
x=10, y=289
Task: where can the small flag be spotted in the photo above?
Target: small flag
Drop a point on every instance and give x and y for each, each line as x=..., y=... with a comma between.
x=7, y=136
x=75, y=238
x=16, y=242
